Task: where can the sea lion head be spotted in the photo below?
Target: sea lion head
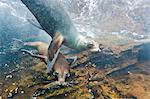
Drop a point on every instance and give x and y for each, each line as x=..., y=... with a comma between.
x=86, y=43
x=61, y=72
x=93, y=46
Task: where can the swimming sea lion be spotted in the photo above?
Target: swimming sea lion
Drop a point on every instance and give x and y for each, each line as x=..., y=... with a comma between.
x=56, y=22
x=61, y=67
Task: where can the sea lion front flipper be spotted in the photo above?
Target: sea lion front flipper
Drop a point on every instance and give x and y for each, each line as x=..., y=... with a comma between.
x=51, y=63
x=54, y=50
x=55, y=45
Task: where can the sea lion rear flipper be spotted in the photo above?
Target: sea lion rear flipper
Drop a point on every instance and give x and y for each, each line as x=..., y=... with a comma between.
x=34, y=55
x=54, y=50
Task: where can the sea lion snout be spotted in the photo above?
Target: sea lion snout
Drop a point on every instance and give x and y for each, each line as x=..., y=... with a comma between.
x=94, y=46
x=61, y=76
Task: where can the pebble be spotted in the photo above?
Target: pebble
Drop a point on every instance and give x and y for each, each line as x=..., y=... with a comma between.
x=90, y=63
x=6, y=90
x=22, y=91
x=90, y=90
x=11, y=90
x=89, y=79
x=33, y=97
x=13, y=84
x=92, y=97
x=8, y=76
x=129, y=73
x=17, y=66
x=16, y=90
x=23, y=53
x=0, y=97
x=93, y=65
x=6, y=65
x=10, y=95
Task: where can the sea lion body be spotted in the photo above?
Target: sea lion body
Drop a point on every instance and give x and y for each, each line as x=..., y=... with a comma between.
x=54, y=19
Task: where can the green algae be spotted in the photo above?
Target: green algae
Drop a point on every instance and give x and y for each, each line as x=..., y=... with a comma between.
x=92, y=82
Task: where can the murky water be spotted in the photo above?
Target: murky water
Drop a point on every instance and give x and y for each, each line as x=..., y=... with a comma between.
x=122, y=26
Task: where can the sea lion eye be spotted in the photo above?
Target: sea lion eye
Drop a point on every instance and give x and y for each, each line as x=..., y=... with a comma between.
x=55, y=73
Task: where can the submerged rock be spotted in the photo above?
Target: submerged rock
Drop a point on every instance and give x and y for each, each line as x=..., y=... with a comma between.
x=95, y=75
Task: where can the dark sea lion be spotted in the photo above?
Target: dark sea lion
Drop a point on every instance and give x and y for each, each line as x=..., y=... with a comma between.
x=61, y=67
x=55, y=21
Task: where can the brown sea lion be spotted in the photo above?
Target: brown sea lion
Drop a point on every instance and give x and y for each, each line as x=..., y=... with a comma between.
x=61, y=67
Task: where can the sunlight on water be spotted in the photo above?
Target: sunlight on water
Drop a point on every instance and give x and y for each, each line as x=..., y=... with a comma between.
x=95, y=17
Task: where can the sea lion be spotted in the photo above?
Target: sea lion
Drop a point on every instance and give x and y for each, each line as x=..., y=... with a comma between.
x=61, y=67
x=41, y=47
x=56, y=22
